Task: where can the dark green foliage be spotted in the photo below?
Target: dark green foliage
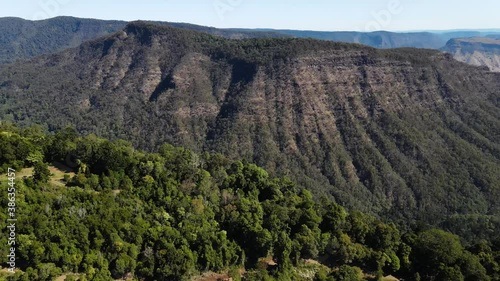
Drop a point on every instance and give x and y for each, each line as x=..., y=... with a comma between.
x=163, y=216
x=439, y=255
x=350, y=273
x=22, y=39
x=435, y=248
x=41, y=173
x=420, y=149
x=17, y=152
x=407, y=135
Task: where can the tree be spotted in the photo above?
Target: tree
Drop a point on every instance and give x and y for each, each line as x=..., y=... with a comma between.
x=122, y=265
x=434, y=248
x=282, y=251
x=48, y=271
x=41, y=172
x=334, y=217
x=472, y=268
x=447, y=273
x=350, y=273
x=165, y=226
x=174, y=262
x=308, y=242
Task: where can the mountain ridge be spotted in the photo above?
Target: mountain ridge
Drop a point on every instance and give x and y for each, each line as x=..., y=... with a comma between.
x=24, y=39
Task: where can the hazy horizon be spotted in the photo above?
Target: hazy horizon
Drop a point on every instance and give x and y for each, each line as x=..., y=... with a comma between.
x=495, y=30
x=319, y=15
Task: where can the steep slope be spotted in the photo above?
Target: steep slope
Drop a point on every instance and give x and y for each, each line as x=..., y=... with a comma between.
x=407, y=133
x=173, y=214
x=480, y=51
x=23, y=39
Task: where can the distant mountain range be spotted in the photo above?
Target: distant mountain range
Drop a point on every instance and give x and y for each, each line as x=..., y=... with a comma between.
x=384, y=39
x=22, y=39
x=480, y=51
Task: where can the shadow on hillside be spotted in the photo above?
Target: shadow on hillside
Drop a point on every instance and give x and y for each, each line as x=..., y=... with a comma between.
x=60, y=166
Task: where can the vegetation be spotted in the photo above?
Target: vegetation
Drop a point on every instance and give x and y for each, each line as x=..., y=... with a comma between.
x=22, y=39
x=173, y=214
x=407, y=135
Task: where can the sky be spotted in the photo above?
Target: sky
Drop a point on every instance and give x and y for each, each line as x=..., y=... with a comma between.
x=322, y=15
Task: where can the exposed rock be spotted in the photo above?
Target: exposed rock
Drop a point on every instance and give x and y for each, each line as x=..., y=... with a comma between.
x=476, y=51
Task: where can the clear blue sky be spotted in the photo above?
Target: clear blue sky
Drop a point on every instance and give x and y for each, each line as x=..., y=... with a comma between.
x=363, y=15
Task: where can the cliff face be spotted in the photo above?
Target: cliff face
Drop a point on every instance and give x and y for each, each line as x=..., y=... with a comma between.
x=477, y=51
x=406, y=133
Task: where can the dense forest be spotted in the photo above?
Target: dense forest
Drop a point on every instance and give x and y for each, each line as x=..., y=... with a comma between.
x=408, y=135
x=23, y=39
x=174, y=214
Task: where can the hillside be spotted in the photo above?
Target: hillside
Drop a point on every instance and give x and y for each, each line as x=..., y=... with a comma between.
x=407, y=134
x=480, y=51
x=176, y=215
x=23, y=39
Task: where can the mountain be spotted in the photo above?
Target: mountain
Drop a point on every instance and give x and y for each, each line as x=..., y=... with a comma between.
x=378, y=39
x=23, y=39
x=480, y=51
x=408, y=134
x=388, y=40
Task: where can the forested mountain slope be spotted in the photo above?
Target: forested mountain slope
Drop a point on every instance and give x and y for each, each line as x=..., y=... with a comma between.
x=408, y=134
x=122, y=214
x=24, y=39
